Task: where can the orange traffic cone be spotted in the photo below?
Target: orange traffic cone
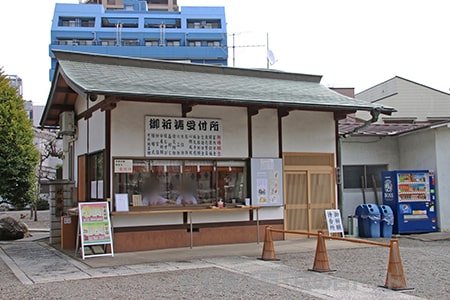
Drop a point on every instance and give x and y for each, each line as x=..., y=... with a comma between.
x=268, y=252
x=395, y=277
x=321, y=263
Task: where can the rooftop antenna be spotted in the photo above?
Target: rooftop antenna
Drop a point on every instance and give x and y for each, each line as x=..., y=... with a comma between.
x=233, y=46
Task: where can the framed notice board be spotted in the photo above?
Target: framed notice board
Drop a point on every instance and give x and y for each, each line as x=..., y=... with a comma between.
x=267, y=181
x=95, y=229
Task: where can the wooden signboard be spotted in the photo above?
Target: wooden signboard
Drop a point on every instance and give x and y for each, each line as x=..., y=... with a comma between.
x=95, y=229
x=334, y=221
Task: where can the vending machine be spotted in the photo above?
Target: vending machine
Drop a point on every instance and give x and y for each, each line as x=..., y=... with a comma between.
x=412, y=197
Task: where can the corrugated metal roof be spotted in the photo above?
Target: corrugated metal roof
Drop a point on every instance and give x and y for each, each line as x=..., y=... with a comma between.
x=379, y=129
x=135, y=77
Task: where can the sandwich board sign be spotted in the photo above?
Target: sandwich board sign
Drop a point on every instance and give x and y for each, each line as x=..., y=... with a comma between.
x=95, y=229
x=334, y=221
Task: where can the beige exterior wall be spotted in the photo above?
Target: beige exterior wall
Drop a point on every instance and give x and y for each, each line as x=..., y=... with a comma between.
x=411, y=100
x=308, y=131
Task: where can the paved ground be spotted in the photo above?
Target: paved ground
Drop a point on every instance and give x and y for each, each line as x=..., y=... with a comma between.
x=31, y=269
x=45, y=272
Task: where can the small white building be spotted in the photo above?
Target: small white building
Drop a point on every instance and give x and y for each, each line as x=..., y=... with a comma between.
x=148, y=130
x=416, y=137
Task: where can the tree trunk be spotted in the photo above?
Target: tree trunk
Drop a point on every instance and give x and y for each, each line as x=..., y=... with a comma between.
x=35, y=212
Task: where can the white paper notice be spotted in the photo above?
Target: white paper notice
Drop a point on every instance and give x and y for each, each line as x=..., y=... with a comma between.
x=123, y=166
x=121, y=202
x=266, y=164
x=100, y=189
x=94, y=189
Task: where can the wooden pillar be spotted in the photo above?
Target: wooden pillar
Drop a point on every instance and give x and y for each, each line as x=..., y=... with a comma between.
x=282, y=112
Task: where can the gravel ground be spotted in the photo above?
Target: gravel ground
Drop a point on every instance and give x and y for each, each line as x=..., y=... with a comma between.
x=426, y=265
x=43, y=221
x=209, y=283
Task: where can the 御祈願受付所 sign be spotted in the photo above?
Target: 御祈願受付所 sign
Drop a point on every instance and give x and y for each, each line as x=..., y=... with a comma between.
x=183, y=137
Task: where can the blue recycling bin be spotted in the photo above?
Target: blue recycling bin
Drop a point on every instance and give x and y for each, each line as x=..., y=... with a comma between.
x=362, y=226
x=368, y=220
x=387, y=221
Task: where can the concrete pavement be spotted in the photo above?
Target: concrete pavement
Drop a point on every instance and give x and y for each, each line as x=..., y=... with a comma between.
x=37, y=262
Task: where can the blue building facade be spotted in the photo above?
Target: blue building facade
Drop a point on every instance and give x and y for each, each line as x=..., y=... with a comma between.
x=194, y=34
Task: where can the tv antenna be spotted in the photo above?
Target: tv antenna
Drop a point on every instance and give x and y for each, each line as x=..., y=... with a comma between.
x=233, y=45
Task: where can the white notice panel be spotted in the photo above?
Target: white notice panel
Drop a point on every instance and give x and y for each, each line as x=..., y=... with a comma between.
x=267, y=181
x=183, y=137
x=334, y=221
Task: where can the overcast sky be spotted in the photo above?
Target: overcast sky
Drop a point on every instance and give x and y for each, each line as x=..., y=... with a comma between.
x=352, y=43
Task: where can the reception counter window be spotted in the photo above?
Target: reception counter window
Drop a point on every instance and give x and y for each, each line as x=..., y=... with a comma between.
x=153, y=183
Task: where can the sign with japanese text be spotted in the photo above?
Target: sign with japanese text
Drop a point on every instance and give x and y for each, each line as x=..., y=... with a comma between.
x=183, y=137
x=123, y=166
x=95, y=226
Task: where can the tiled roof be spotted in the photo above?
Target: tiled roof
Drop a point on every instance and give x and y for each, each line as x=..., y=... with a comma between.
x=147, y=79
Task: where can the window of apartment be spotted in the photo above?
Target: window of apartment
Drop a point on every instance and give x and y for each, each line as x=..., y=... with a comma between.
x=108, y=42
x=68, y=42
x=183, y=182
x=152, y=43
x=213, y=43
x=85, y=42
x=195, y=43
x=157, y=22
x=358, y=176
x=130, y=42
x=124, y=22
x=204, y=23
x=173, y=43
x=76, y=21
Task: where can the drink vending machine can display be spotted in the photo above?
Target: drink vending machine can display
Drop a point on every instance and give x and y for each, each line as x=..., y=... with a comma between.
x=411, y=194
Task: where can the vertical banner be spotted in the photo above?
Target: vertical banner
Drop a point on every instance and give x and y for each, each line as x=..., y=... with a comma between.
x=267, y=181
x=95, y=229
x=183, y=137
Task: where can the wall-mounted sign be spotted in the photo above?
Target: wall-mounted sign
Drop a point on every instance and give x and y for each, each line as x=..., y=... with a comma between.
x=183, y=137
x=267, y=181
x=123, y=166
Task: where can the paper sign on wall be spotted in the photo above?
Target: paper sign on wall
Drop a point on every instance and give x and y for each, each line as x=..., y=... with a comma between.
x=267, y=181
x=183, y=137
x=123, y=166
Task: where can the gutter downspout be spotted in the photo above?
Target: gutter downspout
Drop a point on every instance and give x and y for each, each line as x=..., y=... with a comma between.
x=375, y=113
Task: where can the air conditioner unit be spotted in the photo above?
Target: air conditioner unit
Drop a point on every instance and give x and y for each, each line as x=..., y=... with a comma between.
x=67, y=123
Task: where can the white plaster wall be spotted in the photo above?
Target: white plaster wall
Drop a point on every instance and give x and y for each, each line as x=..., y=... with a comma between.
x=127, y=128
x=265, y=133
x=308, y=131
x=271, y=213
x=234, y=126
x=366, y=151
x=370, y=151
x=417, y=151
x=97, y=131
x=443, y=177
